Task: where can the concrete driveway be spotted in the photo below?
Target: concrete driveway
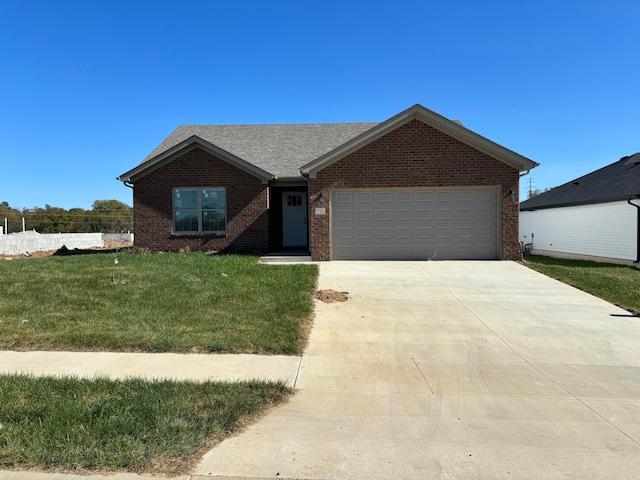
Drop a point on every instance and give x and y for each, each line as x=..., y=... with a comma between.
x=453, y=370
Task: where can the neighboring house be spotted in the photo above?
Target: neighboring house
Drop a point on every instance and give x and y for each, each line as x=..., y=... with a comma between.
x=416, y=186
x=588, y=217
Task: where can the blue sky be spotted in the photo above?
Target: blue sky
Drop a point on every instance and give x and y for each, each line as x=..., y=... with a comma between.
x=89, y=88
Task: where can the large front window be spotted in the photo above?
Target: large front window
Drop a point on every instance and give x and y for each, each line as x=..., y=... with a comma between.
x=199, y=210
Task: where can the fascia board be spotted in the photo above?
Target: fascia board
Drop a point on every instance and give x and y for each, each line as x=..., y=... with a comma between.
x=430, y=118
x=186, y=146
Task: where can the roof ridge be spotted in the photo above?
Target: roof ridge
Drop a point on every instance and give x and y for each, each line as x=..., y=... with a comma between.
x=272, y=124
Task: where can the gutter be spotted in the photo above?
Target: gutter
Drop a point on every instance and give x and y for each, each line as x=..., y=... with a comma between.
x=638, y=227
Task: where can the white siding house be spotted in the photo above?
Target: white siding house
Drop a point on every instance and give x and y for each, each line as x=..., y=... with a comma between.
x=604, y=231
x=589, y=217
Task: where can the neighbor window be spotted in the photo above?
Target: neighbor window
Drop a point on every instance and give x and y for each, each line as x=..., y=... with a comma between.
x=199, y=210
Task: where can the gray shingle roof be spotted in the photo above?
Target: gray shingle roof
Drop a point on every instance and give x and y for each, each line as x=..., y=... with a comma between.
x=618, y=181
x=278, y=149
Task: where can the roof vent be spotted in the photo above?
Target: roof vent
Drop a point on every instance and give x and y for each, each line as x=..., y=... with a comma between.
x=458, y=122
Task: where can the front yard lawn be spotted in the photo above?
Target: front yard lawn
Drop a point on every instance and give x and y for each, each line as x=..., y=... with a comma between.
x=171, y=302
x=617, y=284
x=67, y=424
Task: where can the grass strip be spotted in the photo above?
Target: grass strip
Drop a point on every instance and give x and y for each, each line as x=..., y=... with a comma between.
x=69, y=424
x=170, y=302
x=617, y=284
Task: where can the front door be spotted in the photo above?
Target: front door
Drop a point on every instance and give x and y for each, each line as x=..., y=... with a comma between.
x=294, y=219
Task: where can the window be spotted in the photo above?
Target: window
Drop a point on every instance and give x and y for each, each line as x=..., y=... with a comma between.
x=199, y=210
x=294, y=200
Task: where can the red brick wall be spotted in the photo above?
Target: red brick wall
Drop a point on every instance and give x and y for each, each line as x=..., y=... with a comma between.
x=247, y=218
x=415, y=155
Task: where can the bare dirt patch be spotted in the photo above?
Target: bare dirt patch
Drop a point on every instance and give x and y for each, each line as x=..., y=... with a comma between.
x=331, y=296
x=107, y=246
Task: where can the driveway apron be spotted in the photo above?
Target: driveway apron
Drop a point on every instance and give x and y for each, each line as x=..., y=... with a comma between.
x=452, y=370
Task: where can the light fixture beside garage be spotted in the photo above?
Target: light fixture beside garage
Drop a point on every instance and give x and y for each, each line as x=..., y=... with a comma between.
x=321, y=197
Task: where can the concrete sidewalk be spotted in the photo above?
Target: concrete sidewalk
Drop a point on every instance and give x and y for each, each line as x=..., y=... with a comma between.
x=194, y=367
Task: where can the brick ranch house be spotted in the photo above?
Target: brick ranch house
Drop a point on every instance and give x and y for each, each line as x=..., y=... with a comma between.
x=416, y=186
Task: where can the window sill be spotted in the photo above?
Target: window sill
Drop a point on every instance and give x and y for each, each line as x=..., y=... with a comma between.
x=199, y=235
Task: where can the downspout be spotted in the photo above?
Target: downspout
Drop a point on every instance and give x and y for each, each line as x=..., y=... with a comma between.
x=637, y=228
x=522, y=246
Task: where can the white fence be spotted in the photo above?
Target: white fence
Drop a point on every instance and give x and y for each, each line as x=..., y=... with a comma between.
x=30, y=241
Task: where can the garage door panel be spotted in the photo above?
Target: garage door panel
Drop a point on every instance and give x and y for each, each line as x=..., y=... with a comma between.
x=386, y=197
x=404, y=197
x=404, y=233
x=444, y=214
x=345, y=233
x=445, y=252
x=344, y=215
x=424, y=197
x=464, y=214
x=364, y=233
x=464, y=196
x=464, y=233
x=484, y=196
x=484, y=233
x=424, y=232
x=465, y=252
x=445, y=196
x=384, y=233
x=424, y=252
x=404, y=215
x=404, y=252
x=364, y=215
x=424, y=214
x=484, y=214
x=444, y=232
x=384, y=251
x=366, y=251
x=415, y=224
x=364, y=198
x=343, y=197
x=384, y=215
x=484, y=251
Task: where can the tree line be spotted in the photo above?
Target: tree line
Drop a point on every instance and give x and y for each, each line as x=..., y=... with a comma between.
x=105, y=216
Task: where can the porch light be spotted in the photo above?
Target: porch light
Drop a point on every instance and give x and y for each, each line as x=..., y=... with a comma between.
x=321, y=197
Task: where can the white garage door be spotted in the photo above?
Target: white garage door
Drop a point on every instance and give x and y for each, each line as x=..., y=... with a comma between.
x=439, y=224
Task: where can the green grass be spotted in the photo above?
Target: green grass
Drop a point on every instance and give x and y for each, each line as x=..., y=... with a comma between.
x=617, y=284
x=137, y=426
x=193, y=302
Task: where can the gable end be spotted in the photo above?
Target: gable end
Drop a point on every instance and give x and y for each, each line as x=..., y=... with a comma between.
x=186, y=146
x=444, y=125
